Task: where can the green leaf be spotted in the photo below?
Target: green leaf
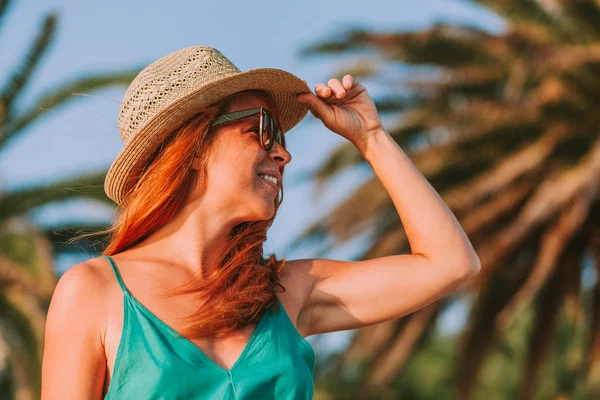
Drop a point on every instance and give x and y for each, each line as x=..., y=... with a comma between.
x=59, y=96
x=18, y=202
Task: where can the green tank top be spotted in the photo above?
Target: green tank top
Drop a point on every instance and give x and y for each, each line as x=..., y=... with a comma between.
x=154, y=361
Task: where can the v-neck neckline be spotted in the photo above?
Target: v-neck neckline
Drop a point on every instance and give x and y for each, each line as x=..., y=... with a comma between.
x=194, y=348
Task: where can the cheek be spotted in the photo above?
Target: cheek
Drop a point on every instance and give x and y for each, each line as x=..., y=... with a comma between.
x=233, y=168
x=232, y=177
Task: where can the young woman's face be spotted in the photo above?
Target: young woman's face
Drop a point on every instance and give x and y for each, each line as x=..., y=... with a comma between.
x=237, y=158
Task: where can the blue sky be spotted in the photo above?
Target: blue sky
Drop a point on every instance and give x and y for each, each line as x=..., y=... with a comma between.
x=111, y=35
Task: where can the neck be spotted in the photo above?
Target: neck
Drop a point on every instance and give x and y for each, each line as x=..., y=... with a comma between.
x=193, y=237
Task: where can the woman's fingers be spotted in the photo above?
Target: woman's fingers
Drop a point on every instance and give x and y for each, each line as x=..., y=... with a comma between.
x=348, y=81
x=322, y=90
x=337, y=87
x=334, y=87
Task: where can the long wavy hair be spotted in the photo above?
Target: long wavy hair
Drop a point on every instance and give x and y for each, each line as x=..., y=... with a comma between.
x=244, y=282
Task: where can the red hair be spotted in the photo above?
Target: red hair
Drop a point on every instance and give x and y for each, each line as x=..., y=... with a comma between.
x=243, y=284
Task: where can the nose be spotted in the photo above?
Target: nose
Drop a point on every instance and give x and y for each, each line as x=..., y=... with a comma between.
x=279, y=154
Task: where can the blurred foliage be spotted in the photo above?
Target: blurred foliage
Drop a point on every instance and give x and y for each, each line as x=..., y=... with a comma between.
x=504, y=126
x=27, y=277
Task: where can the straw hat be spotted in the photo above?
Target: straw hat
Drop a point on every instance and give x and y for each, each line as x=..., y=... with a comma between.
x=179, y=85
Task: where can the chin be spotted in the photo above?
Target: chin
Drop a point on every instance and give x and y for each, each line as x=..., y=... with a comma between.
x=265, y=213
x=268, y=214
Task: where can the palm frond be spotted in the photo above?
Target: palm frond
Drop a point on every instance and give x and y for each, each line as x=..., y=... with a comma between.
x=24, y=71
x=13, y=274
x=504, y=127
x=465, y=81
x=57, y=97
x=513, y=166
x=3, y=8
x=347, y=219
x=23, y=321
x=519, y=12
x=89, y=186
x=491, y=212
x=7, y=386
x=343, y=157
x=359, y=69
x=583, y=17
x=387, y=240
x=443, y=45
x=479, y=223
x=477, y=339
x=554, y=241
x=544, y=324
x=572, y=262
x=551, y=196
x=389, y=364
x=344, y=222
x=366, y=343
x=593, y=360
x=370, y=340
x=27, y=275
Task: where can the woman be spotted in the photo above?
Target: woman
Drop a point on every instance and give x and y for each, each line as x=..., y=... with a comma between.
x=182, y=304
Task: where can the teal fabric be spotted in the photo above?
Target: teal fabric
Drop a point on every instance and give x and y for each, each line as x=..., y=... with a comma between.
x=155, y=362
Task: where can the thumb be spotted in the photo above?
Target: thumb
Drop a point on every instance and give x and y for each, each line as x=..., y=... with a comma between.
x=316, y=106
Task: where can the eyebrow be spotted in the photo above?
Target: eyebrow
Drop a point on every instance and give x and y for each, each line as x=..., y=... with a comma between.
x=253, y=119
x=248, y=122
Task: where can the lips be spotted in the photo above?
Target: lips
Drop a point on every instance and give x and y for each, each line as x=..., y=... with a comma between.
x=273, y=172
x=268, y=182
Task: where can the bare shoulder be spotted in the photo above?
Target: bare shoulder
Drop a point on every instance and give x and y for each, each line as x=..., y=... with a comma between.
x=91, y=272
x=86, y=282
x=80, y=296
x=74, y=362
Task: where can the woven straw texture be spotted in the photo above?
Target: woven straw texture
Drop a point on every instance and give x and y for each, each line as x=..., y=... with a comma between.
x=177, y=86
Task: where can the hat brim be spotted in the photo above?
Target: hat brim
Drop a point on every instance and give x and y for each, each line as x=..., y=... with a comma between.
x=282, y=85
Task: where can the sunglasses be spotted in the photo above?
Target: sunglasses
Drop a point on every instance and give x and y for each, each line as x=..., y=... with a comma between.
x=269, y=130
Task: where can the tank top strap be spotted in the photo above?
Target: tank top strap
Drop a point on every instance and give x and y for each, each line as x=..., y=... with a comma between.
x=116, y=271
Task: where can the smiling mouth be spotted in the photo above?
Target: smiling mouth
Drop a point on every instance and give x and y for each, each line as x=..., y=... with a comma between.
x=268, y=182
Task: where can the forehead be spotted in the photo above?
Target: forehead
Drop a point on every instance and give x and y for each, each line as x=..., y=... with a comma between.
x=246, y=100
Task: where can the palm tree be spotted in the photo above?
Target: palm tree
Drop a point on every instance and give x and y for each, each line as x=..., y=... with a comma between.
x=27, y=277
x=505, y=128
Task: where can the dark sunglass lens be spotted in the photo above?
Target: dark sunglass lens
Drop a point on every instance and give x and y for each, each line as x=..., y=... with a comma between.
x=278, y=135
x=281, y=138
x=266, y=133
x=271, y=131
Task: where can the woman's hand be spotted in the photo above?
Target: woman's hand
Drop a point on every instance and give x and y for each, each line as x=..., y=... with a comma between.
x=346, y=109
